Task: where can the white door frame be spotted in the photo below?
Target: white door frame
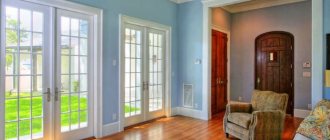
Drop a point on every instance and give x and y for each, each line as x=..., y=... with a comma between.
x=97, y=15
x=317, y=51
x=167, y=29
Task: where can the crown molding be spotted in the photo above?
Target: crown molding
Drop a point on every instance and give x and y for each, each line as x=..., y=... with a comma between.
x=180, y=1
x=257, y=4
x=217, y=3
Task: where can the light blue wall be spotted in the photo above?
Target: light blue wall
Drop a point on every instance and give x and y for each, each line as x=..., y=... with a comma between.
x=285, y=18
x=246, y=26
x=160, y=11
x=326, y=24
x=190, y=49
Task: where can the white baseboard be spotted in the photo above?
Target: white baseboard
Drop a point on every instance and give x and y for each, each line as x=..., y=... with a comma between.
x=111, y=128
x=189, y=112
x=300, y=113
x=237, y=102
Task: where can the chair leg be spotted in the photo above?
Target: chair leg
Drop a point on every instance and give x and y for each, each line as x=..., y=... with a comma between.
x=227, y=135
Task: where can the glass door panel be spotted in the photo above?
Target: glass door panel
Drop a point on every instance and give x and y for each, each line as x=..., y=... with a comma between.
x=133, y=104
x=155, y=72
x=25, y=47
x=74, y=110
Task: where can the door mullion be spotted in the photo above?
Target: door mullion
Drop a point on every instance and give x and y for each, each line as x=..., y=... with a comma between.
x=146, y=73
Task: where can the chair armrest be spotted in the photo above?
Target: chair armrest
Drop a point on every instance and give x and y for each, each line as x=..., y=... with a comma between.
x=231, y=108
x=243, y=107
x=269, y=122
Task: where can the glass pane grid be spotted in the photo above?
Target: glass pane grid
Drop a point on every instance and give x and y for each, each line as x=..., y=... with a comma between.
x=132, y=72
x=155, y=72
x=21, y=75
x=74, y=73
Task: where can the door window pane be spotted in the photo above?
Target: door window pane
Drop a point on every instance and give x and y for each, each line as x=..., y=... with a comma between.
x=25, y=20
x=133, y=70
x=155, y=72
x=37, y=25
x=23, y=74
x=74, y=73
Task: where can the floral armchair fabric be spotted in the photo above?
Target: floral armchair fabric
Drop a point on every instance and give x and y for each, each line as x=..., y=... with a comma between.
x=317, y=125
x=263, y=119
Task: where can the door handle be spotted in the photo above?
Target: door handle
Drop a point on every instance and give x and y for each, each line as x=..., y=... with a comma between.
x=57, y=93
x=221, y=82
x=145, y=86
x=258, y=80
x=47, y=93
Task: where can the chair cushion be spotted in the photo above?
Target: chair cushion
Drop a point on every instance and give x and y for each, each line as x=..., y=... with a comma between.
x=241, y=119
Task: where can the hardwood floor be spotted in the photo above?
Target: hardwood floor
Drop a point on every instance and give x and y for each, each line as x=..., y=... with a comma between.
x=185, y=128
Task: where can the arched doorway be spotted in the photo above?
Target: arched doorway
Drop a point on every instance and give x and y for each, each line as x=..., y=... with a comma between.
x=274, y=64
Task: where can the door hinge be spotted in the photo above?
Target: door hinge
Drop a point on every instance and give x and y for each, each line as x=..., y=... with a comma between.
x=291, y=66
x=291, y=85
x=291, y=47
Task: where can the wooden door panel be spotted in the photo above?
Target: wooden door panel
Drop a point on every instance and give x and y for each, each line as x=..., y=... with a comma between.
x=274, y=64
x=219, y=72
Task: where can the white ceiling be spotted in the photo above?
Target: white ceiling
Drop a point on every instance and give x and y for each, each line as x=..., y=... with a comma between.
x=256, y=4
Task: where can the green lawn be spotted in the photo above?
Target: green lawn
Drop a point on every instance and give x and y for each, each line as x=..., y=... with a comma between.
x=131, y=109
x=36, y=105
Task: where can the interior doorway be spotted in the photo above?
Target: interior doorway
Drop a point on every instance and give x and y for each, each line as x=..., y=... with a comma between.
x=219, y=78
x=274, y=65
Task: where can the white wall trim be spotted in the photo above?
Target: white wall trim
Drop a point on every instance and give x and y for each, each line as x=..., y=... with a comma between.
x=317, y=52
x=111, y=128
x=301, y=113
x=67, y=5
x=220, y=3
x=168, y=62
x=252, y=5
x=180, y=1
x=189, y=112
x=238, y=102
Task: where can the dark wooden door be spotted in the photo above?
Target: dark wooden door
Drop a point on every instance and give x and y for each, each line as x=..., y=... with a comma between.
x=274, y=64
x=219, y=72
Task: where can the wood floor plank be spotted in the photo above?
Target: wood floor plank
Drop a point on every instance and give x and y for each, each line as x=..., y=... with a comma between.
x=185, y=128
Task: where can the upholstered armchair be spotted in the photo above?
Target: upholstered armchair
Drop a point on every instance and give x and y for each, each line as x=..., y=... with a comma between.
x=262, y=119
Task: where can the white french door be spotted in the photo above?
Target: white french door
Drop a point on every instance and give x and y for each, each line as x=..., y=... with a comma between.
x=73, y=113
x=144, y=51
x=46, y=73
x=26, y=50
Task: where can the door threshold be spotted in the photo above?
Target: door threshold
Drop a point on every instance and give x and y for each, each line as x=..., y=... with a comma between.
x=143, y=123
